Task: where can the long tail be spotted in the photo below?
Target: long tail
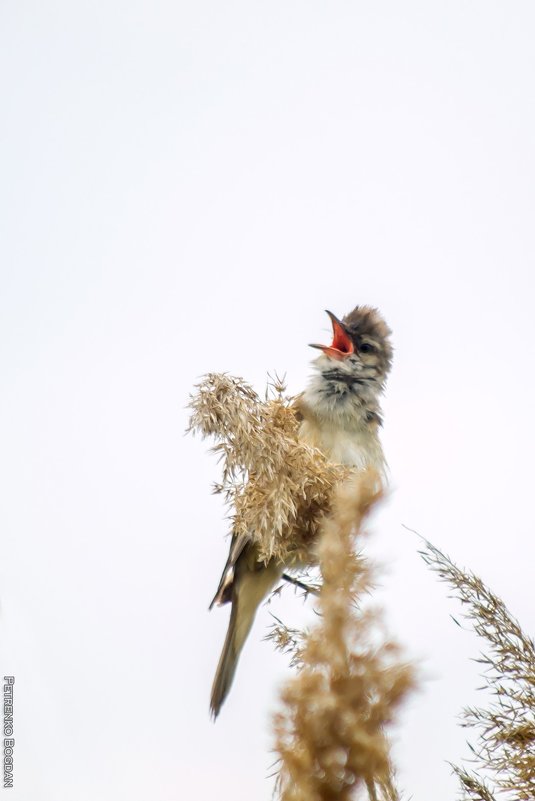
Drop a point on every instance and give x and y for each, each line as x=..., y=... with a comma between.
x=250, y=589
x=228, y=662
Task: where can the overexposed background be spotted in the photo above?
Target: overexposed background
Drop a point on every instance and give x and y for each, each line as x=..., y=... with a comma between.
x=185, y=187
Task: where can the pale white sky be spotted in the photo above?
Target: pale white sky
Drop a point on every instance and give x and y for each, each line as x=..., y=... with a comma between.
x=184, y=188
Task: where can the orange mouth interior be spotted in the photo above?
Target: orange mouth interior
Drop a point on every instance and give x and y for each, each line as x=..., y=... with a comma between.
x=342, y=344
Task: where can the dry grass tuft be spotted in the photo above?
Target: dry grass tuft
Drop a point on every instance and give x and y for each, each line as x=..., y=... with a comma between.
x=330, y=733
x=504, y=755
x=277, y=487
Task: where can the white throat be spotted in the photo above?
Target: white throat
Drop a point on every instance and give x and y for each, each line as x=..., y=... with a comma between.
x=341, y=416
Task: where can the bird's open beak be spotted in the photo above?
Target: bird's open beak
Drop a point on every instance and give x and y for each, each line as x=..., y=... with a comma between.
x=342, y=344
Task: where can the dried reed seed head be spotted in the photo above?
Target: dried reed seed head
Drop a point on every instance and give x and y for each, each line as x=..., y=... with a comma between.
x=348, y=687
x=504, y=753
x=278, y=487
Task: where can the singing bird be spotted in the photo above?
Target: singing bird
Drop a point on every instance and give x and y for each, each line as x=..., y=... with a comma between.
x=340, y=415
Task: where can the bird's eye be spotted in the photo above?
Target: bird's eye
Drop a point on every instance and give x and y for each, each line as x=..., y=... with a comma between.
x=366, y=348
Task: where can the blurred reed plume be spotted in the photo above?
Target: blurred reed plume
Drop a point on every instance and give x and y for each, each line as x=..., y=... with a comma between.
x=330, y=732
x=504, y=753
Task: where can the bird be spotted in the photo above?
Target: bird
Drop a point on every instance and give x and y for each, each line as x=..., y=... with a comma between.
x=339, y=413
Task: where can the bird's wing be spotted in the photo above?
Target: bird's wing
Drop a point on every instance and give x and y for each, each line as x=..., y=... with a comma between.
x=224, y=590
x=239, y=541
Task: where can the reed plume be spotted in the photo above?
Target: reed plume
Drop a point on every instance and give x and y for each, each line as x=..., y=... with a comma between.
x=276, y=487
x=504, y=752
x=330, y=733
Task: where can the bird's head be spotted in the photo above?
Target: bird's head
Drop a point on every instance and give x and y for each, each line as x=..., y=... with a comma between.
x=360, y=355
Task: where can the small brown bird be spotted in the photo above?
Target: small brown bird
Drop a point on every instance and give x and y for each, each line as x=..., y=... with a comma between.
x=340, y=415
